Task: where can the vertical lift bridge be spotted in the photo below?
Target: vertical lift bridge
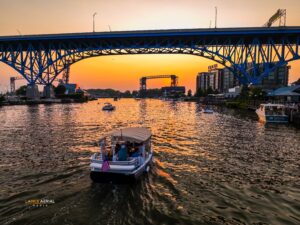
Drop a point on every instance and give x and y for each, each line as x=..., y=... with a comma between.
x=143, y=80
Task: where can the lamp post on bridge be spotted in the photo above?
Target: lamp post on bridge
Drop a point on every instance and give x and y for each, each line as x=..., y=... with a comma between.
x=94, y=21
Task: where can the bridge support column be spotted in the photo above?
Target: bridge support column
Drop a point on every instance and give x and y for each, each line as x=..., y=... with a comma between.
x=48, y=91
x=32, y=92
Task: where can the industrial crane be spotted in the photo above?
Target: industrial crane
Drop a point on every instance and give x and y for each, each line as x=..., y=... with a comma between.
x=143, y=80
x=279, y=15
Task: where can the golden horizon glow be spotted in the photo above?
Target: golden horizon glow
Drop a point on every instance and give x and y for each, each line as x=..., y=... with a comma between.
x=123, y=72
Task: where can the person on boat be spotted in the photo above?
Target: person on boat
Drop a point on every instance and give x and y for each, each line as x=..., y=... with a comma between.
x=117, y=148
x=135, y=152
x=141, y=154
x=123, y=153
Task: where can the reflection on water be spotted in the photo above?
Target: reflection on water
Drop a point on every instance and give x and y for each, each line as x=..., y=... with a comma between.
x=224, y=168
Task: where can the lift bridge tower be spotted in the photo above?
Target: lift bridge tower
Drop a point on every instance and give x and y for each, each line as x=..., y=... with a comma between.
x=143, y=80
x=13, y=83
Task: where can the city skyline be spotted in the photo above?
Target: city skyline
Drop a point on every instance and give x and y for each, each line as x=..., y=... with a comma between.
x=123, y=72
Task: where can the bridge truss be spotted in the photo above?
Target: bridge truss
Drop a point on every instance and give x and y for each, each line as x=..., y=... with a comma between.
x=143, y=80
x=42, y=59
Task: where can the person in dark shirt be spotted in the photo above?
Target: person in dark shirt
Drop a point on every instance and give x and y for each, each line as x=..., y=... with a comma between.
x=123, y=153
x=117, y=149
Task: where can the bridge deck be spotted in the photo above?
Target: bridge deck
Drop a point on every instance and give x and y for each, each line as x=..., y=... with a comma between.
x=240, y=31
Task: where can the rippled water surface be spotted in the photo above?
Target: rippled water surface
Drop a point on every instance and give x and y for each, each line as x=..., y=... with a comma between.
x=224, y=168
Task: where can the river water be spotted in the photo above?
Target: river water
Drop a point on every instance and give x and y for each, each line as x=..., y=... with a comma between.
x=224, y=168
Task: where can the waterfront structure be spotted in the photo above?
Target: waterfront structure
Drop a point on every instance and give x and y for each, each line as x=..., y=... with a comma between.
x=216, y=78
x=221, y=80
x=233, y=92
x=229, y=80
x=70, y=88
x=289, y=94
x=173, y=92
x=201, y=80
x=276, y=79
x=41, y=58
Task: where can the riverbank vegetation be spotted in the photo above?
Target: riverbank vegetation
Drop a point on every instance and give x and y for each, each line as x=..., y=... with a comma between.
x=21, y=91
x=111, y=93
x=205, y=93
x=250, y=97
x=2, y=99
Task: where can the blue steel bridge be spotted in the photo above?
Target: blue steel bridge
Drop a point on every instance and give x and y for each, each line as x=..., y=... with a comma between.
x=41, y=58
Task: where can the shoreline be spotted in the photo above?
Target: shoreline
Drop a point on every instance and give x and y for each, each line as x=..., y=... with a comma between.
x=43, y=101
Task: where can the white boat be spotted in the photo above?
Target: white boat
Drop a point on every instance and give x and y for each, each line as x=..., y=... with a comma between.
x=272, y=113
x=128, y=156
x=208, y=111
x=108, y=107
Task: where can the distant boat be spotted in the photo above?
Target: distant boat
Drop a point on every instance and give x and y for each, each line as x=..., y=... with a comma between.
x=126, y=157
x=108, y=107
x=208, y=111
x=272, y=113
x=137, y=98
x=115, y=98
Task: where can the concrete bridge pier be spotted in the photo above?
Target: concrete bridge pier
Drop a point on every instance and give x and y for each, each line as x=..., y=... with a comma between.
x=48, y=91
x=32, y=92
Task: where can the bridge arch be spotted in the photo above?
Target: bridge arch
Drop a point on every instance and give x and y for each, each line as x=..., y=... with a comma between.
x=70, y=59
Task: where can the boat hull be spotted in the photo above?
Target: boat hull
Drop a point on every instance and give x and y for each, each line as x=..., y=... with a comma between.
x=208, y=111
x=275, y=119
x=102, y=177
x=109, y=109
x=99, y=176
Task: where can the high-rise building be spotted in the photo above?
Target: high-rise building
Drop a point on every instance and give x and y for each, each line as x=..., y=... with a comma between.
x=276, y=79
x=217, y=76
x=222, y=80
x=229, y=80
x=202, y=81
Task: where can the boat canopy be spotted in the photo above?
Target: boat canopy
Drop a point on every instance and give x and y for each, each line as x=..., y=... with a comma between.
x=133, y=134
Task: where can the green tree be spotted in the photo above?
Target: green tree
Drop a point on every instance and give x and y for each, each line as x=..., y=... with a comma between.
x=2, y=98
x=199, y=93
x=209, y=91
x=245, y=92
x=297, y=82
x=127, y=94
x=60, y=90
x=21, y=90
x=257, y=93
x=134, y=93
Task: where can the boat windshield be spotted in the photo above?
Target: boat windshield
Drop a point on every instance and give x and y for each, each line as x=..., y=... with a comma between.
x=125, y=144
x=274, y=110
x=119, y=150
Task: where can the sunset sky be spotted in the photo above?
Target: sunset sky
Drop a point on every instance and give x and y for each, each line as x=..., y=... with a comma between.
x=123, y=72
